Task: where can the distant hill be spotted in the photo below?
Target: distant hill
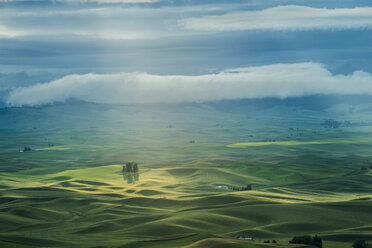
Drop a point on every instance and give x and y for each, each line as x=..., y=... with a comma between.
x=313, y=102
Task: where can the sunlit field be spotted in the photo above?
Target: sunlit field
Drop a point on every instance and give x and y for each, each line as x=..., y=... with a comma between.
x=71, y=189
x=296, y=143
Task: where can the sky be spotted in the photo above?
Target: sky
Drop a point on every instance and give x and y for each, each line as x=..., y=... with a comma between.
x=150, y=51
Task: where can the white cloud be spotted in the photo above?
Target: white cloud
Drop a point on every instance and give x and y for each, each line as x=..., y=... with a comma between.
x=8, y=33
x=290, y=17
x=278, y=80
x=108, y=22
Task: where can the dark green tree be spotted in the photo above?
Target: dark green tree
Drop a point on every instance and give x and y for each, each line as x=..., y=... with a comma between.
x=130, y=172
x=317, y=241
x=135, y=167
x=307, y=240
x=360, y=244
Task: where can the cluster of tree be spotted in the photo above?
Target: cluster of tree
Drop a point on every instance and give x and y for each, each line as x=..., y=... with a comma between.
x=361, y=244
x=130, y=172
x=268, y=241
x=332, y=123
x=26, y=149
x=365, y=167
x=130, y=167
x=307, y=240
x=248, y=187
x=335, y=124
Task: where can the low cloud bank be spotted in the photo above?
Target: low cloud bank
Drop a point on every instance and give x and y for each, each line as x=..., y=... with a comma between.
x=292, y=17
x=278, y=80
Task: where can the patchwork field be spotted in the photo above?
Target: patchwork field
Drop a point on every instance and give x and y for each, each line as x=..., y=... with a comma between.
x=70, y=189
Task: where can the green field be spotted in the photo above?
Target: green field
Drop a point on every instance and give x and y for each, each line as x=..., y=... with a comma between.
x=293, y=143
x=70, y=191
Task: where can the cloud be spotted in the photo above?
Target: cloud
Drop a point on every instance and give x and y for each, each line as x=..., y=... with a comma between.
x=291, y=17
x=6, y=32
x=278, y=80
x=101, y=21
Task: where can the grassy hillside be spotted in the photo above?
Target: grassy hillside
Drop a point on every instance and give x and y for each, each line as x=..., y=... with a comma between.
x=174, y=204
x=69, y=191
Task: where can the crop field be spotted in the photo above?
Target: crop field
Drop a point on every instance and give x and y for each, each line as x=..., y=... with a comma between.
x=296, y=143
x=70, y=190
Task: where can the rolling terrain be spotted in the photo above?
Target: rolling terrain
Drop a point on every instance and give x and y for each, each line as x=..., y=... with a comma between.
x=307, y=175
